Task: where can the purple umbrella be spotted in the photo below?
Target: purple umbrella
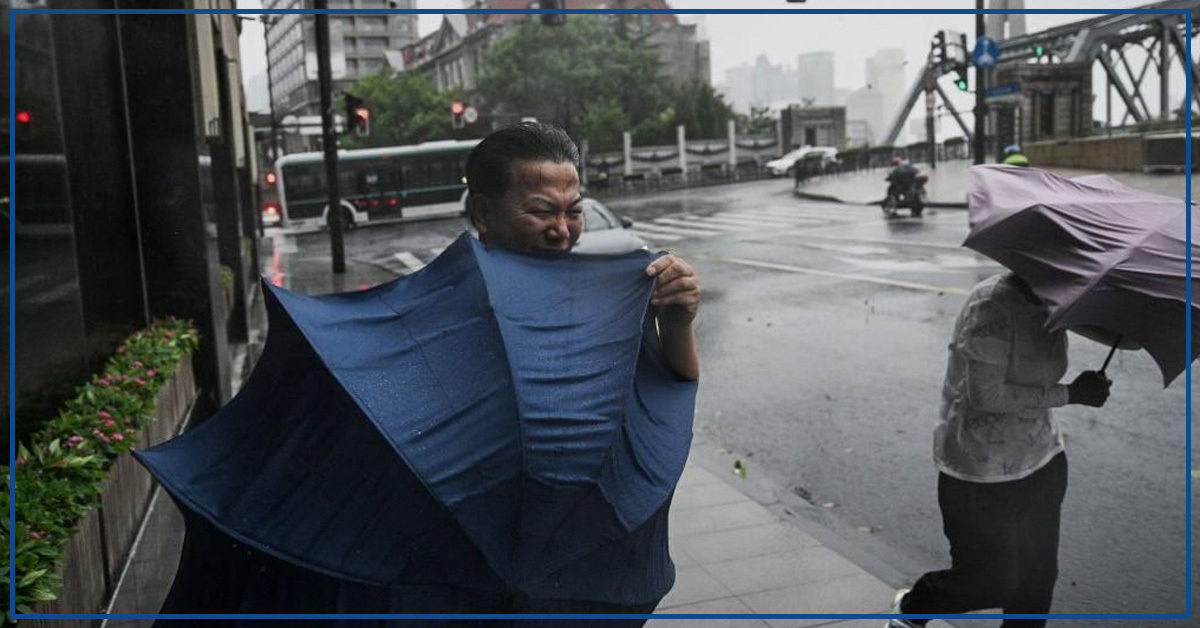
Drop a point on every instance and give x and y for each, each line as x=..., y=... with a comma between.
x=1102, y=255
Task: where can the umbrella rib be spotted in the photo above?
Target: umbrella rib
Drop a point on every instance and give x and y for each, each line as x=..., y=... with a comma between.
x=1129, y=250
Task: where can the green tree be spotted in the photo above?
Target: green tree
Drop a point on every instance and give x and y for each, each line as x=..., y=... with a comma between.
x=405, y=109
x=759, y=122
x=564, y=74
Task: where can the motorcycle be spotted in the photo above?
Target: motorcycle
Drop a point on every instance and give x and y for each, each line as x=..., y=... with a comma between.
x=913, y=198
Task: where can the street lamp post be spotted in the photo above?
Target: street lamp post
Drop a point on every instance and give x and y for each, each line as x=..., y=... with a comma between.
x=980, y=91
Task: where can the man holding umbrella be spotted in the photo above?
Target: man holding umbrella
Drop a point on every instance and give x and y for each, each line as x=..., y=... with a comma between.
x=498, y=433
x=525, y=197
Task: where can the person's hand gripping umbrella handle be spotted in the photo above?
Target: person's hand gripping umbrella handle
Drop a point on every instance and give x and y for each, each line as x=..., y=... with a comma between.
x=1116, y=343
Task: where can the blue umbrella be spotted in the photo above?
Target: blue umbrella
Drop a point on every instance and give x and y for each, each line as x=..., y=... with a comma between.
x=495, y=427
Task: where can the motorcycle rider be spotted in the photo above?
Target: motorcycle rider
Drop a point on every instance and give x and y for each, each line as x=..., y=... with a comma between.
x=1014, y=157
x=902, y=176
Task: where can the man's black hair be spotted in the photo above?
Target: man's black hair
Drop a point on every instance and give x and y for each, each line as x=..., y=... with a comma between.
x=490, y=164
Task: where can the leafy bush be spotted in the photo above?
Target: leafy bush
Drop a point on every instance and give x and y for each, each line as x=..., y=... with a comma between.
x=59, y=473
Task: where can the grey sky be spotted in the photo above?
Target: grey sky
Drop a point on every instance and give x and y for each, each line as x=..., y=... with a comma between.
x=739, y=39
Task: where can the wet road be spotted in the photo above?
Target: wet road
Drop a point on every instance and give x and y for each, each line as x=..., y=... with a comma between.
x=823, y=335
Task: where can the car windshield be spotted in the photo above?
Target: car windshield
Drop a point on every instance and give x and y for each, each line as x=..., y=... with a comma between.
x=594, y=218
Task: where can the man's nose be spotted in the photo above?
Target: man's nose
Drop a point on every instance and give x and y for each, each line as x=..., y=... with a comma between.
x=558, y=229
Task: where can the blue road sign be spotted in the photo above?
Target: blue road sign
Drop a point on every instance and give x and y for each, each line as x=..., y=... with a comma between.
x=986, y=52
x=1002, y=90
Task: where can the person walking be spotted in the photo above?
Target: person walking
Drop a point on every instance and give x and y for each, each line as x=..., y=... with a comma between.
x=1001, y=461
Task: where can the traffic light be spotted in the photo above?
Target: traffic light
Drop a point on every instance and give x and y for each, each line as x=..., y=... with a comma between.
x=362, y=122
x=270, y=178
x=358, y=115
x=553, y=19
x=939, y=49
x=456, y=114
x=1039, y=51
x=961, y=64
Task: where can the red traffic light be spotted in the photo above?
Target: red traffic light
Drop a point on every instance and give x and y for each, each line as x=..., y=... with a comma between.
x=23, y=117
x=270, y=178
x=363, y=113
x=457, y=108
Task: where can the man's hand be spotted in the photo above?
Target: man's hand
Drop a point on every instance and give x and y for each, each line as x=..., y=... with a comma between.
x=1090, y=389
x=677, y=294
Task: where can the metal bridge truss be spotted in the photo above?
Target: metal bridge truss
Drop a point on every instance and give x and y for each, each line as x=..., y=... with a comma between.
x=1107, y=40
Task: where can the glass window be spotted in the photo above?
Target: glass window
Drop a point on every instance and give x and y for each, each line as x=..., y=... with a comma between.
x=372, y=44
x=594, y=219
x=370, y=66
x=372, y=23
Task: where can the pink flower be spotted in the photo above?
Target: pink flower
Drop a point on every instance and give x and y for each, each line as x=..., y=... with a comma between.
x=104, y=414
x=151, y=373
x=75, y=440
x=109, y=422
x=34, y=534
x=139, y=381
x=103, y=382
x=118, y=437
x=121, y=349
x=138, y=363
x=20, y=462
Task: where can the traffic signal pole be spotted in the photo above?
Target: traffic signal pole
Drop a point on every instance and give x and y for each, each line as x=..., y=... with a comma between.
x=980, y=92
x=330, y=140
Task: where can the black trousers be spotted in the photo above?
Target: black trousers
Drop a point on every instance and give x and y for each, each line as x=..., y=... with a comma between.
x=1003, y=546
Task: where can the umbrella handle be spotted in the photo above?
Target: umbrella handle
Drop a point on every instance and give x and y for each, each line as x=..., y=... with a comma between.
x=1110, y=353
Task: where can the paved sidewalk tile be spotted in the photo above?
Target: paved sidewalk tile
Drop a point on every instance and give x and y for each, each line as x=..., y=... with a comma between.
x=774, y=571
x=696, y=476
x=692, y=585
x=716, y=518
x=862, y=593
x=704, y=495
x=746, y=542
x=724, y=606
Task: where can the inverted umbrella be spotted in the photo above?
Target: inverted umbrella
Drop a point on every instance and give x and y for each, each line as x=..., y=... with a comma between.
x=494, y=426
x=1099, y=253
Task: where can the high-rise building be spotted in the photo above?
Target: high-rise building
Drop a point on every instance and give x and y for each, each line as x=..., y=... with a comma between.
x=360, y=45
x=1001, y=26
x=760, y=85
x=886, y=81
x=814, y=78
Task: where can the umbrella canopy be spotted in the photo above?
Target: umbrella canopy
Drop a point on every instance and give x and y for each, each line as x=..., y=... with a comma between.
x=1099, y=253
x=496, y=424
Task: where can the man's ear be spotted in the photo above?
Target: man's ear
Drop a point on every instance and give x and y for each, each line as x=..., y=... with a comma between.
x=477, y=212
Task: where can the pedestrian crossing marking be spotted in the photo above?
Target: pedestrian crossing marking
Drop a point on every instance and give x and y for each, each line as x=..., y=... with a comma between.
x=686, y=224
x=675, y=231
x=895, y=283
x=412, y=262
x=657, y=237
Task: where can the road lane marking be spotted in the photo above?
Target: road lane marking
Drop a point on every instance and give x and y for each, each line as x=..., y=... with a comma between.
x=895, y=283
x=657, y=237
x=755, y=221
x=688, y=224
x=691, y=233
x=410, y=261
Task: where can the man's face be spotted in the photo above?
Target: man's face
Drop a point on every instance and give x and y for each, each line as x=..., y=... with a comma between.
x=541, y=212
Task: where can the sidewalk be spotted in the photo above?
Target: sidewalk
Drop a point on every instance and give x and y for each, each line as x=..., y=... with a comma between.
x=948, y=184
x=740, y=545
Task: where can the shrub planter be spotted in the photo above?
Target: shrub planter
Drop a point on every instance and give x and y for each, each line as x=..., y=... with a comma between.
x=95, y=556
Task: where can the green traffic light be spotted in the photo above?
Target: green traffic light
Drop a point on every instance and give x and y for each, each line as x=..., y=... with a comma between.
x=1038, y=51
x=962, y=84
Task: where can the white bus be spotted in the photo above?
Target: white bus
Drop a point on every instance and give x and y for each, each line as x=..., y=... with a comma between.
x=374, y=184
